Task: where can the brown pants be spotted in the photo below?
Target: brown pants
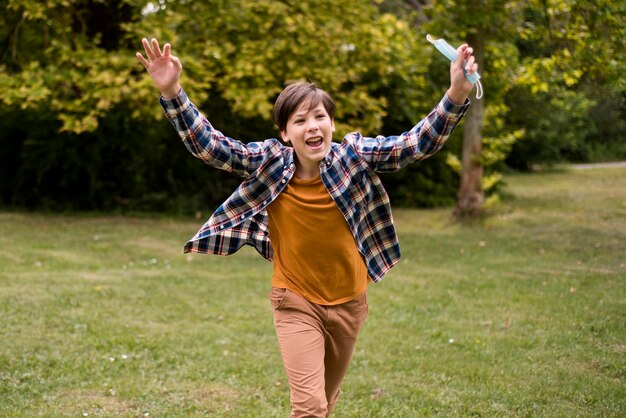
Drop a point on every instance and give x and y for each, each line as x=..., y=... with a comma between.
x=316, y=343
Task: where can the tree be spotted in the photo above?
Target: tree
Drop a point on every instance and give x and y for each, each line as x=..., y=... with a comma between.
x=548, y=48
x=67, y=58
x=82, y=65
x=571, y=82
x=471, y=195
x=485, y=26
x=77, y=108
x=66, y=65
x=250, y=49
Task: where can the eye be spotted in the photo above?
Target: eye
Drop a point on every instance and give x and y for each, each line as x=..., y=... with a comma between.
x=321, y=116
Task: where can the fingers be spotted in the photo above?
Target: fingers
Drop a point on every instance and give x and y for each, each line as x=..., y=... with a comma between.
x=460, y=56
x=155, y=47
x=152, y=48
x=469, y=64
x=153, y=52
x=142, y=60
x=148, y=49
x=470, y=61
x=466, y=59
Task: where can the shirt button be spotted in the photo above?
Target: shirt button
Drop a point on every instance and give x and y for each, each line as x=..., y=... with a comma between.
x=243, y=216
x=221, y=226
x=283, y=181
x=292, y=165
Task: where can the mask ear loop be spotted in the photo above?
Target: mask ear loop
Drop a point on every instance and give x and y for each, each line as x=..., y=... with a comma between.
x=479, y=90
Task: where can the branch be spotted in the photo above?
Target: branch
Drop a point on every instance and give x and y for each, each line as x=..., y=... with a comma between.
x=10, y=42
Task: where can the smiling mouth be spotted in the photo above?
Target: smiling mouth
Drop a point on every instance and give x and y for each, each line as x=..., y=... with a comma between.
x=314, y=142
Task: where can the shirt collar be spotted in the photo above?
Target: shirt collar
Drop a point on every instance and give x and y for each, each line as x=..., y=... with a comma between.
x=327, y=161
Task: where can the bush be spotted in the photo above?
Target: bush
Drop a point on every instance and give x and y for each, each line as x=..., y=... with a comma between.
x=123, y=165
x=556, y=126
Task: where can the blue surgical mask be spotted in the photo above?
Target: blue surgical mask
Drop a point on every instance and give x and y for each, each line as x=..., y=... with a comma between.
x=452, y=55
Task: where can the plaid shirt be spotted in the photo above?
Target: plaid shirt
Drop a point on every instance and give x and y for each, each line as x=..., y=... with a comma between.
x=348, y=172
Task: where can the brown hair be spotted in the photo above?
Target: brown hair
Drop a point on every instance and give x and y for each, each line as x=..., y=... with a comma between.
x=294, y=95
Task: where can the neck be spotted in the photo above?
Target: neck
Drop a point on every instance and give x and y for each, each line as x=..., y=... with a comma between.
x=307, y=172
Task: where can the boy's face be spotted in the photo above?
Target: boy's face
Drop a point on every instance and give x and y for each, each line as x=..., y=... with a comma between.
x=310, y=131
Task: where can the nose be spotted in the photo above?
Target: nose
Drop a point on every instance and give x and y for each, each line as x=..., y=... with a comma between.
x=312, y=125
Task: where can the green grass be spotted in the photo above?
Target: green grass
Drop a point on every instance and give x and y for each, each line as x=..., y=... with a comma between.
x=520, y=314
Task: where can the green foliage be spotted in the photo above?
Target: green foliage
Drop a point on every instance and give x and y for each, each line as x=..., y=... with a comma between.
x=116, y=167
x=538, y=56
x=81, y=81
x=567, y=41
x=250, y=49
x=487, y=27
x=570, y=84
x=76, y=70
x=608, y=116
x=559, y=129
x=81, y=127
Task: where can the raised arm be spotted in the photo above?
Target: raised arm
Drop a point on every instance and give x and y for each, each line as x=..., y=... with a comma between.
x=199, y=136
x=430, y=134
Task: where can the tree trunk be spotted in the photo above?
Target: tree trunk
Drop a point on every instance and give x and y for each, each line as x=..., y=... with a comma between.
x=471, y=195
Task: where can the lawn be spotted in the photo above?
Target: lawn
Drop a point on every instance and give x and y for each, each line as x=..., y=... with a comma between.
x=520, y=314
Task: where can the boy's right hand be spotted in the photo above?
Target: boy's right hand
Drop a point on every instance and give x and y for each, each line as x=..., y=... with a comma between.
x=163, y=67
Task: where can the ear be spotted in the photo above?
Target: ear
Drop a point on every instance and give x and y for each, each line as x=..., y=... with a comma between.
x=283, y=135
x=332, y=124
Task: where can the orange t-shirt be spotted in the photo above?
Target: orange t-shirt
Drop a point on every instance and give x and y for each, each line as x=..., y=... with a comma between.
x=315, y=255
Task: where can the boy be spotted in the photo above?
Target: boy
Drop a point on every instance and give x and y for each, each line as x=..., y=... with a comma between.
x=321, y=204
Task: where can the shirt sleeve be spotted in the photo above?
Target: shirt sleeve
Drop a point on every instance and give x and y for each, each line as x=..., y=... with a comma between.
x=392, y=153
x=207, y=143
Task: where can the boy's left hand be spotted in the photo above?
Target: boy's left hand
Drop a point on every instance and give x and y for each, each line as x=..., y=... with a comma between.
x=460, y=87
